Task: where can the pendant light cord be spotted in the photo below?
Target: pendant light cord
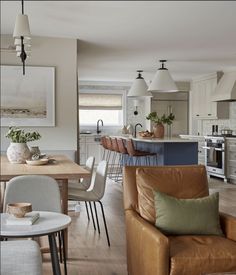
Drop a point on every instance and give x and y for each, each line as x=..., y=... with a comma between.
x=22, y=6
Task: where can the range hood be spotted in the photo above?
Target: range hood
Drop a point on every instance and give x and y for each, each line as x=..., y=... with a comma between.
x=226, y=88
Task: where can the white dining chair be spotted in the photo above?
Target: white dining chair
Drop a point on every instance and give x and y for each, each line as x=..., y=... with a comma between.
x=20, y=257
x=42, y=192
x=95, y=194
x=84, y=184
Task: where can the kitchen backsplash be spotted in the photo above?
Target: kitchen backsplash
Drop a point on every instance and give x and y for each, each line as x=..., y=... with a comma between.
x=222, y=123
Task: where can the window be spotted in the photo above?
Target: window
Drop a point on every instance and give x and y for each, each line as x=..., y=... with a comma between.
x=108, y=107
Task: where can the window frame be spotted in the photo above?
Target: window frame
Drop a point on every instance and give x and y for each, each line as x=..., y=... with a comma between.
x=124, y=104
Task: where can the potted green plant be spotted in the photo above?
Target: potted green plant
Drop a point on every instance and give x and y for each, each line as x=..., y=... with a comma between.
x=159, y=121
x=18, y=151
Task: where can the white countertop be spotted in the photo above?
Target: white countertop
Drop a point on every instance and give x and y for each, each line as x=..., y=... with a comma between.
x=155, y=140
x=192, y=137
x=163, y=140
x=91, y=135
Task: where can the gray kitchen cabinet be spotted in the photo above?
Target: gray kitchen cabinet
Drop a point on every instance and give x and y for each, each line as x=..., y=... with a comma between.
x=231, y=159
x=202, y=106
x=90, y=147
x=201, y=152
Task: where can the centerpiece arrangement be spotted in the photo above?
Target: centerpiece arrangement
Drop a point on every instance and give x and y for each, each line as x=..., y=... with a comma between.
x=158, y=127
x=18, y=151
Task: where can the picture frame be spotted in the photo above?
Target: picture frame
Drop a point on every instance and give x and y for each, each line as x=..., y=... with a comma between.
x=27, y=100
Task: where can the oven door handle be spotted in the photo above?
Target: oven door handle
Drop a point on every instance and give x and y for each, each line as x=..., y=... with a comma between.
x=205, y=147
x=219, y=149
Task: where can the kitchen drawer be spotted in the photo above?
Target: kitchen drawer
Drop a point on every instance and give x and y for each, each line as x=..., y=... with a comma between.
x=231, y=155
x=201, y=143
x=82, y=148
x=232, y=163
x=231, y=141
x=82, y=159
x=201, y=160
x=90, y=139
x=82, y=139
x=231, y=172
x=231, y=147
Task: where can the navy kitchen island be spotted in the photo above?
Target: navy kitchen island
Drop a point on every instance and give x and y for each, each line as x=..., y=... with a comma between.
x=170, y=151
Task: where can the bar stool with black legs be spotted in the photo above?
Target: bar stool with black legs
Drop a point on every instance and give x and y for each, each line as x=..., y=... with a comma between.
x=111, y=155
x=138, y=154
x=105, y=149
x=125, y=158
x=116, y=170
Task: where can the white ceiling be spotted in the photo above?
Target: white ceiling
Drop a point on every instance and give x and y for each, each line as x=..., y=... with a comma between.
x=119, y=37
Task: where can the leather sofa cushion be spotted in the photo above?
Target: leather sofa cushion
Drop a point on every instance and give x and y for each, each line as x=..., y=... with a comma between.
x=182, y=182
x=197, y=255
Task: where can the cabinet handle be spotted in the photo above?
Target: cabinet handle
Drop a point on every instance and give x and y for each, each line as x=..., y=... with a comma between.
x=197, y=115
x=209, y=114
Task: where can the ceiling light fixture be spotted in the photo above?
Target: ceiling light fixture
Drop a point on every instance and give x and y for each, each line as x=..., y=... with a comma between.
x=22, y=36
x=139, y=87
x=162, y=81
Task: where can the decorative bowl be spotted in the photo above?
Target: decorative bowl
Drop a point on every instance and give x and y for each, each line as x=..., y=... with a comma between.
x=19, y=209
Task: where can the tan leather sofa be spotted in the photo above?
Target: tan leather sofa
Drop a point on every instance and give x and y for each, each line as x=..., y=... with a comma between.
x=149, y=252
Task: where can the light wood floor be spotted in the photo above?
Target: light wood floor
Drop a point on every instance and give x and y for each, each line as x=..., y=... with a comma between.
x=89, y=253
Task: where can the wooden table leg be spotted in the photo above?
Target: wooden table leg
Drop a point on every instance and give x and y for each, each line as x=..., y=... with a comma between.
x=64, y=193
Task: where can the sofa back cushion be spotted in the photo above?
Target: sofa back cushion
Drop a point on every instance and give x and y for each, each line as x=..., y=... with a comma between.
x=182, y=182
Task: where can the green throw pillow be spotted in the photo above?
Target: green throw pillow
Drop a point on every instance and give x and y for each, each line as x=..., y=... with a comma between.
x=187, y=216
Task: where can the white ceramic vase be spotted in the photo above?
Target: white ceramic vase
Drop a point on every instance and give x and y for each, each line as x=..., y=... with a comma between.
x=18, y=152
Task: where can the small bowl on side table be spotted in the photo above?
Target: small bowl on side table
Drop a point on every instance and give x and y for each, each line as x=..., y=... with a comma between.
x=19, y=209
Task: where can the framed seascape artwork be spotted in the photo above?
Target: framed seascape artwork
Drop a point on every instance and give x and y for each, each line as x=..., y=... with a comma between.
x=27, y=100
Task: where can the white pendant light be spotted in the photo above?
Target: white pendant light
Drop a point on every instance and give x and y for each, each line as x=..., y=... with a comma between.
x=22, y=36
x=21, y=26
x=162, y=81
x=139, y=87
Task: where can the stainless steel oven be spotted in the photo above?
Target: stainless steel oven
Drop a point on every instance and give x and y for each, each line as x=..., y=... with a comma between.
x=215, y=156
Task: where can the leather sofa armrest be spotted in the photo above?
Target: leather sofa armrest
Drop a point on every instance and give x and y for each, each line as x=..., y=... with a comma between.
x=228, y=225
x=147, y=248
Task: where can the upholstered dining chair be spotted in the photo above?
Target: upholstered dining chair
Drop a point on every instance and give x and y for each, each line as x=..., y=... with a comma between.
x=95, y=194
x=42, y=192
x=20, y=257
x=84, y=185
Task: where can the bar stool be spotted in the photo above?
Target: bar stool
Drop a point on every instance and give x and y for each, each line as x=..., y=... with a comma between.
x=137, y=154
x=110, y=151
x=105, y=149
x=123, y=154
x=116, y=150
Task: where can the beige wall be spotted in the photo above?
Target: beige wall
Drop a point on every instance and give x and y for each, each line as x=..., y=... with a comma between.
x=62, y=54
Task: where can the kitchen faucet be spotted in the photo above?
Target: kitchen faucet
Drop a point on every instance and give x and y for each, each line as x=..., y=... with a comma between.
x=135, y=130
x=98, y=130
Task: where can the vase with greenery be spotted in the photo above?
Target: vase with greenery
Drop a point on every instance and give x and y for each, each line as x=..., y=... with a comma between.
x=18, y=151
x=159, y=121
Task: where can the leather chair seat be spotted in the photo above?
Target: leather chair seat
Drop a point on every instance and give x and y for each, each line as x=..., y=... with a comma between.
x=197, y=255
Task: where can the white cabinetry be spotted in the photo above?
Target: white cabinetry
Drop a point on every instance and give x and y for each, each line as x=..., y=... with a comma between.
x=231, y=158
x=201, y=105
x=90, y=147
x=201, y=152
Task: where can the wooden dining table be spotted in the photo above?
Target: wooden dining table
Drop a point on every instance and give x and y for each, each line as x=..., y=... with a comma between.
x=62, y=169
